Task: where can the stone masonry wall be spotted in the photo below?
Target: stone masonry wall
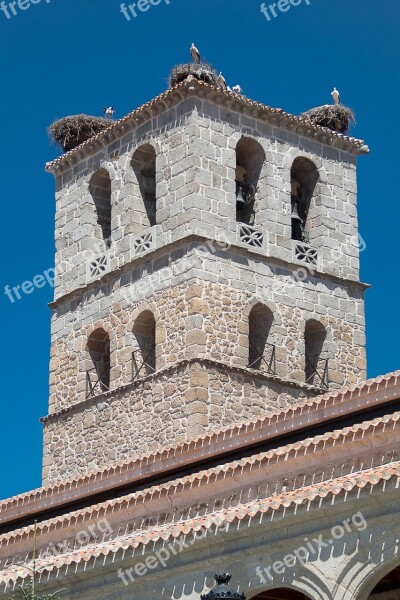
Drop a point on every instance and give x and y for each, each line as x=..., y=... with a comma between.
x=173, y=405
x=203, y=312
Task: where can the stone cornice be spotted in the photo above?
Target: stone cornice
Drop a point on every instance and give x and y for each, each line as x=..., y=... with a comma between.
x=308, y=390
x=235, y=102
x=180, y=243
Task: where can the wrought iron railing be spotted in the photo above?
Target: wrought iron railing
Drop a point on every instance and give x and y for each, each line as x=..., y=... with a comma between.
x=143, y=361
x=97, y=380
x=263, y=360
x=317, y=372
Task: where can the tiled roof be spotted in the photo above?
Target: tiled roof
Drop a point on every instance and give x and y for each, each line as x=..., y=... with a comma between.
x=306, y=446
x=255, y=509
x=186, y=88
x=290, y=419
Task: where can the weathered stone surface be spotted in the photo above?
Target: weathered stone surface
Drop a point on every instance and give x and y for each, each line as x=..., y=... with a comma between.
x=173, y=405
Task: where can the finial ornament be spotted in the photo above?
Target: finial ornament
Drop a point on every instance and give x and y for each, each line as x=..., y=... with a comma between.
x=224, y=578
x=222, y=591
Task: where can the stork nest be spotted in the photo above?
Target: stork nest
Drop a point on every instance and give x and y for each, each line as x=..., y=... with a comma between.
x=70, y=132
x=336, y=117
x=201, y=72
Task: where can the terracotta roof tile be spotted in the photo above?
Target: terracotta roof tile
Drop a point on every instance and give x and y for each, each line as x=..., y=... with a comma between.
x=202, y=476
x=355, y=481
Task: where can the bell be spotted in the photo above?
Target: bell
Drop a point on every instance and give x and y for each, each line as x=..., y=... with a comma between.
x=297, y=222
x=295, y=212
x=239, y=194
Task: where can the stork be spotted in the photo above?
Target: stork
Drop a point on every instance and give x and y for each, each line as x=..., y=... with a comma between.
x=195, y=53
x=109, y=112
x=221, y=81
x=336, y=96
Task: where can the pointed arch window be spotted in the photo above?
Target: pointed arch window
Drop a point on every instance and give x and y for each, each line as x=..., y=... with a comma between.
x=144, y=166
x=261, y=351
x=316, y=366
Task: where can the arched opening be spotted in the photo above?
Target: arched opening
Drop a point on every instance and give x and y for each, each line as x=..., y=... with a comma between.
x=144, y=357
x=98, y=369
x=280, y=594
x=304, y=177
x=100, y=190
x=316, y=365
x=250, y=158
x=261, y=352
x=388, y=588
x=144, y=166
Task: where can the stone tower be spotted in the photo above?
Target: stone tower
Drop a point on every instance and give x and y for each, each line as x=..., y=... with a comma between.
x=207, y=273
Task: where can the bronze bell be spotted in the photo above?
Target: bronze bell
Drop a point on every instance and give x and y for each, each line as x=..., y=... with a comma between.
x=295, y=210
x=239, y=194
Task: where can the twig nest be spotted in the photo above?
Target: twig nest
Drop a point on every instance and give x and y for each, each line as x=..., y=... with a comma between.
x=200, y=71
x=335, y=116
x=70, y=132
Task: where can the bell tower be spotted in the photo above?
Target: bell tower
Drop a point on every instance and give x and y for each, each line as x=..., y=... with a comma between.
x=207, y=273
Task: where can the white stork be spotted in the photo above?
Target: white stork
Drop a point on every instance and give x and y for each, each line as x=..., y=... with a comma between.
x=109, y=112
x=195, y=53
x=221, y=81
x=336, y=96
x=237, y=89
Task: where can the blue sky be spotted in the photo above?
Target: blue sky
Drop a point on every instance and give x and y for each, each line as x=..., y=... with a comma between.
x=61, y=57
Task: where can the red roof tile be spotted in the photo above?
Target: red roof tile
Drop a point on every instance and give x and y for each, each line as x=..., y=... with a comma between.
x=355, y=481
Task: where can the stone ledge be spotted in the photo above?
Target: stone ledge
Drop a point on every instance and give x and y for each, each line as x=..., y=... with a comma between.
x=308, y=390
x=179, y=243
x=228, y=100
